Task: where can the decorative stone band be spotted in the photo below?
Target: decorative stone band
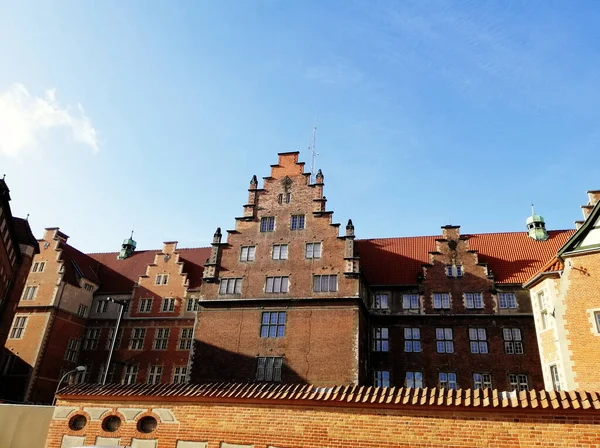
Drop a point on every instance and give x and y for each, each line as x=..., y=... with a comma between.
x=307, y=394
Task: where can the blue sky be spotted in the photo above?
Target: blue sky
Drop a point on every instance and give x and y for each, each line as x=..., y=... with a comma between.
x=157, y=114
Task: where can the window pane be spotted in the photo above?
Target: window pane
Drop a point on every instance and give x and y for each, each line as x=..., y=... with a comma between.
x=265, y=318
x=309, y=250
x=439, y=333
x=449, y=347
x=472, y=333
x=324, y=283
x=416, y=333
x=317, y=250
x=316, y=283
x=516, y=334
x=282, y=317
x=333, y=282
x=507, y=334
x=277, y=284
x=448, y=333
x=481, y=334
x=269, y=284
x=408, y=333
x=276, y=252
x=223, y=287
x=238, y=285
x=284, y=284
x=230, y=286
x=384, y=301
x=284, y=251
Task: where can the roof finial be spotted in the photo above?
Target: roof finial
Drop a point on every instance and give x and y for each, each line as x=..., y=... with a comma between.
x=132, y=230
x=27, y=217
x=532, y=209
x=3, y=176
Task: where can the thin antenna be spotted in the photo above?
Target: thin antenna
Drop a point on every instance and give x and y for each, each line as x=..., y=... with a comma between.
x=532, y=209
x=27, y=217
x=312, y=149
x=132, y=229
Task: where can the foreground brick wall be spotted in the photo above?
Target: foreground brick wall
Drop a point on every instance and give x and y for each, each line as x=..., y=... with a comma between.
x=263, y=425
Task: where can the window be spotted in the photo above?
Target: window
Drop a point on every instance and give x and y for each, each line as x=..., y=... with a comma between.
x=137, y=339
x=313, y=250
x=269, y=368
x=145, y=305
x=513, y=342
x=126, y=304
x=161, y=338
x=247, y=253
x=297, y=222
x=441, y=300
x=325, y=283
x=30, y=292
x=445, y=341
x=454, y=271
x=267, y=224
x=482, y=381
x=382, y=378
x=18, y=327
x=168, y=305
x=111, y=333
x=412, y=340
x=478, y=340
x=597, y=317
x=185, y=342
x=179, y=374
x=474, y=300
x=193, y=305
x=381, y=339
x=111, y=373
x=273, y=324
x=130, y=374
x=38, y=266
x=507, y=300
x=88, y=287
x=448, y=380
x=413, y=380
x=555, y=378
x=92, y=337
x=288, y=198
x=518, y=381
x=162, y=279
x=82, y=310
x=84, y=377
x=72, y=350
x=380, y=302
x=101, y=306
x=230, y=286
x=277, y=284
x=279, y=252
x=154, y=374
x=410, y=301
x=543, y=309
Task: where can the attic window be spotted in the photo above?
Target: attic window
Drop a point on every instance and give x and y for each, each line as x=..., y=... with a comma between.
x=162, y=279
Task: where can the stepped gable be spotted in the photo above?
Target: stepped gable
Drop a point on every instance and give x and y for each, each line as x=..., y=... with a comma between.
x=383, y=397
x=512, y=257
x=120, y=275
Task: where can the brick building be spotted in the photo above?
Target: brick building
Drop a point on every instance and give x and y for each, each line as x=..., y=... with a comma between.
x=17, y=249
x=288, y=297
x=566, y=304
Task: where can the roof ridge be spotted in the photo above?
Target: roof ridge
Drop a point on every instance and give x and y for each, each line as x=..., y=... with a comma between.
x=145, y=250
x=462, y=234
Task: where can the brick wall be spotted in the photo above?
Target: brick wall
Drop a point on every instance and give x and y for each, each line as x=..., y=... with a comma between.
x=282, y=425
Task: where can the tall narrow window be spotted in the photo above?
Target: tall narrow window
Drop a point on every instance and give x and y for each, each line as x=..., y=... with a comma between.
x=414, y=380
x=38, y=266
x=247, y=253
x=555, y=378
x=410, y=301
x=597, y=317
x=507, y=300
x=543, y=304
x=412, y=340
x=30, y=292
x=448, y=380
x=380, y=302
x=478, y=340
x=482, y=381
x=19, y=323
x=82, y=310
x=382, y=378
x=168, y=305
x=273, y=324
x=313, y=250
x=297, y=222
x=154, y=374
x=230, y=286
x=179, y=374
x=72, y=350
x=161, y=338
x=445, y=340
x=130, y=374
x=145, y=305
x=381, y=339
x=441, y=301
x=518, y=381
x=101, y=306
x=269, y=368
x=137, y=339
x=267, y=224
x=474, y=300
x=162, y=279
x=324, y=283
x=513, y=341
x=185, y=342
x=193, y=305
x=277, y=284
x=279, y=252
x=92, y=338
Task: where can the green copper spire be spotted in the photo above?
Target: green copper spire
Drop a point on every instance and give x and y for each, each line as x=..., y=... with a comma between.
x=536, y=226
x=127, y=248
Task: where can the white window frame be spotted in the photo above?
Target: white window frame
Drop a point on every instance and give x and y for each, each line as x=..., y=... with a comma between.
x=543, y=304
x=318, y=280
x=442, y=301
x=130, y=373
x=138, y=338
x=478, y=341
x=247, y=253
x=513, y=341
x=312, y=251
x=30, y=292
x=91, y=338
x=507, y=300
x=162, y=279
x=444, y=338
x=297, y=222
x=381, y=301
x=277, y=285
x=447, y=380
x=18, y=327
x=154, y=374
x=381, y=339
x=145, y=305
x=412, y=300
x=179, y=374
x=482, y=380
x=192, y=305
x=413, y=379
x=186, y=336
x=267, y=224
x=474, y=300
x=111, y=332
x=72, y=350
x=279, y=252
x=38, y=266
x=168, y=305
x=454, y=271
x=382, y=378
x=161, y=338
x=230, y=286
x=412, y=340
x=82, y=310
x=518, y=381
x=555, y=377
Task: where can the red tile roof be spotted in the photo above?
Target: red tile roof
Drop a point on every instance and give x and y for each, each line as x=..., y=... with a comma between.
x=512, y=256
x=286, y=394
x=118, y=276
x=555, y=265
x=78, y=264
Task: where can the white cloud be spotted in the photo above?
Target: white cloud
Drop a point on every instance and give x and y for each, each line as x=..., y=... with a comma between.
x=26, y=119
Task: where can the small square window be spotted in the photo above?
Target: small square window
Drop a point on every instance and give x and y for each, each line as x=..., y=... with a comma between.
x=507, y=300
x=412, y=340
x=313, y=250
x=478, y=340
x=448, y=380
x=518, y=381
x=410, y=301
x=273, y=324
x=247, y=253
x=325, y=283
x=474, y=300
x=267, y=224
x=441, y=301
x=162, y=279
x=279, y=252
x=482, y=381
x=445, y=340
x=277, y=284
x=382, y=378
x=414, y=380
x=380, y=302
x=297, y=222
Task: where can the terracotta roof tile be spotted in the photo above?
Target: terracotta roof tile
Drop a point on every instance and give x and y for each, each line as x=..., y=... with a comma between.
x=513, y=257
x=579, y=400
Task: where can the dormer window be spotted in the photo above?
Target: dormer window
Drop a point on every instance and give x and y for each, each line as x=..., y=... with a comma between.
x=162, y=279
x=454, y=271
